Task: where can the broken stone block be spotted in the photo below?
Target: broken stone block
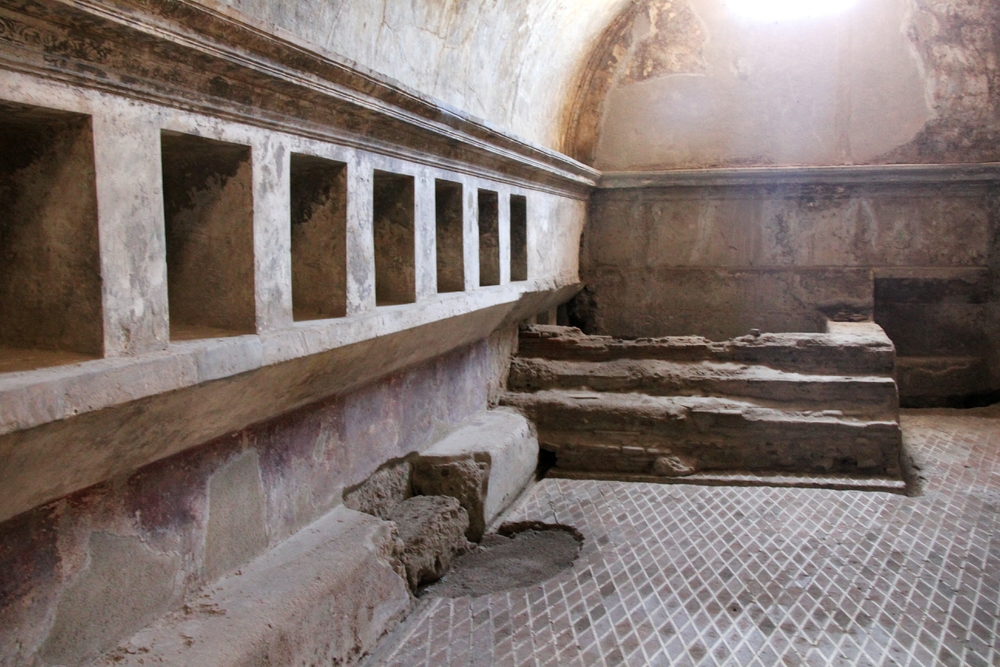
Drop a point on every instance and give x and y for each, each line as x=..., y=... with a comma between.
x=379, y=494
x=432, y=529
x=465, y=480
x=672, y=466
x=485, y=464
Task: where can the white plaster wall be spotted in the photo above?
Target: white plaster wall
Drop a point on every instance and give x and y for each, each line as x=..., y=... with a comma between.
x=837, y=89
x=508, y=62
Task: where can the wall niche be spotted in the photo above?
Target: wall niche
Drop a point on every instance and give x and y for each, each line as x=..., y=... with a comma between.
x=50, y=267
x=393, y=223
x=489, y=238
x=518, y=237
x=208, y=216
x=319, y=237
x=448, y=209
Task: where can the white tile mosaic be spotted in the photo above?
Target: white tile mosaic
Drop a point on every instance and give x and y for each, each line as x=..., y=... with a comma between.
x=762, y=576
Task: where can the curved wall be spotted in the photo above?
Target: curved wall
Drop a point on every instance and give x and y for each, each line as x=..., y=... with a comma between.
x=690, y=84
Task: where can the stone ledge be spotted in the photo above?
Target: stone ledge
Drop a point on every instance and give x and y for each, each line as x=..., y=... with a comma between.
x=33, y=398
x=103, y=418
x=324, y=596
x=864, y=175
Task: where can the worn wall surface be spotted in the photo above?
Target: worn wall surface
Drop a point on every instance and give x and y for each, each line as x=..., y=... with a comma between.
x=86, y=571
x=133, y=479
x=529, y=50
x=689, y=83
x=720, y=261
x=64, y=428
x=697, y=92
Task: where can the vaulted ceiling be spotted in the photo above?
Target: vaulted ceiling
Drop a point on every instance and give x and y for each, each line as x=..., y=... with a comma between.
x=652, y=84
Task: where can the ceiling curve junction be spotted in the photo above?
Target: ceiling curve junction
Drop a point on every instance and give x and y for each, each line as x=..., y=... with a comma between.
x=508, y=62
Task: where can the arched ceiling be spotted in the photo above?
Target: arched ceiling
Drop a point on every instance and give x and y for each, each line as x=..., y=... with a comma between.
x=659, y=84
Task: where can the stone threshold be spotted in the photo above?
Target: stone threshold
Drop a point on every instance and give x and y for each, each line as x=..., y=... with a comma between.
x=776, y=479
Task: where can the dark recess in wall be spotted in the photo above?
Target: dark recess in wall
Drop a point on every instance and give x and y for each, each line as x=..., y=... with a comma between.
x=208, y=207
x=489, y=238
x=50, y=271
x=450, y=236
x=319, y=237
x=518, y=237
x=393, y=221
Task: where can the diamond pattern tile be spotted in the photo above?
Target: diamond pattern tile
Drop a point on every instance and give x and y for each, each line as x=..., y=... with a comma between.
x=756, y=576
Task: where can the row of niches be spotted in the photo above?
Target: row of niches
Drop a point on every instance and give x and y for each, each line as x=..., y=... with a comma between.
x=50, y=261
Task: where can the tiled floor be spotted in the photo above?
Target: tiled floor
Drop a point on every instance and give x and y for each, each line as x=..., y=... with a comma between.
x=694, y=575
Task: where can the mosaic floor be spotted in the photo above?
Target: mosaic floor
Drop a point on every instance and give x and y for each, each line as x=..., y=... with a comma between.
x=694, y=575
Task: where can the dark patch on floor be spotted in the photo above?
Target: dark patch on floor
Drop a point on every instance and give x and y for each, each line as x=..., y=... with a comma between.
x=517, y=557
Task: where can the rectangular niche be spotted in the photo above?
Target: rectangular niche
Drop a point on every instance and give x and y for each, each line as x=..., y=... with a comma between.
x=319, y=237
x=208, y=215
x=518, y=237
x=393, y=224
x=489, y=238
x=50, y=267
x=450, y=236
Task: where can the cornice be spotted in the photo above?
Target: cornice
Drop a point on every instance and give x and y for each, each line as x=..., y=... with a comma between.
x=861, y=175
x=208, y=59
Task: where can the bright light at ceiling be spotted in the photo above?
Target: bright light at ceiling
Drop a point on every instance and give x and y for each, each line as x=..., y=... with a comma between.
x=776, y=10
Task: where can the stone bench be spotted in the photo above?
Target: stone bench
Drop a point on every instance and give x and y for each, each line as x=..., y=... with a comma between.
x=324, y=596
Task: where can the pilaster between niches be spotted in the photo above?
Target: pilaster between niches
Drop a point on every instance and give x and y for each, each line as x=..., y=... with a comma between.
x=272, y=238
x=360, y=236
x=131, y=230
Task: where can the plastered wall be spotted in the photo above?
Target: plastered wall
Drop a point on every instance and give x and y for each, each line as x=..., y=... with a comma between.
x=751, y=177
x=243, y=364
x=691, y=84
x=721, y=261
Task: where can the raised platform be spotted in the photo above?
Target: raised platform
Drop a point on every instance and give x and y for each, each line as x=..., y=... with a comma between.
x=669, y=407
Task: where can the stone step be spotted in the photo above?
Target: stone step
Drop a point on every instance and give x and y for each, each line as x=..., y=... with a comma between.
x=678, y=435
x=872, y=396
x=864, y=350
